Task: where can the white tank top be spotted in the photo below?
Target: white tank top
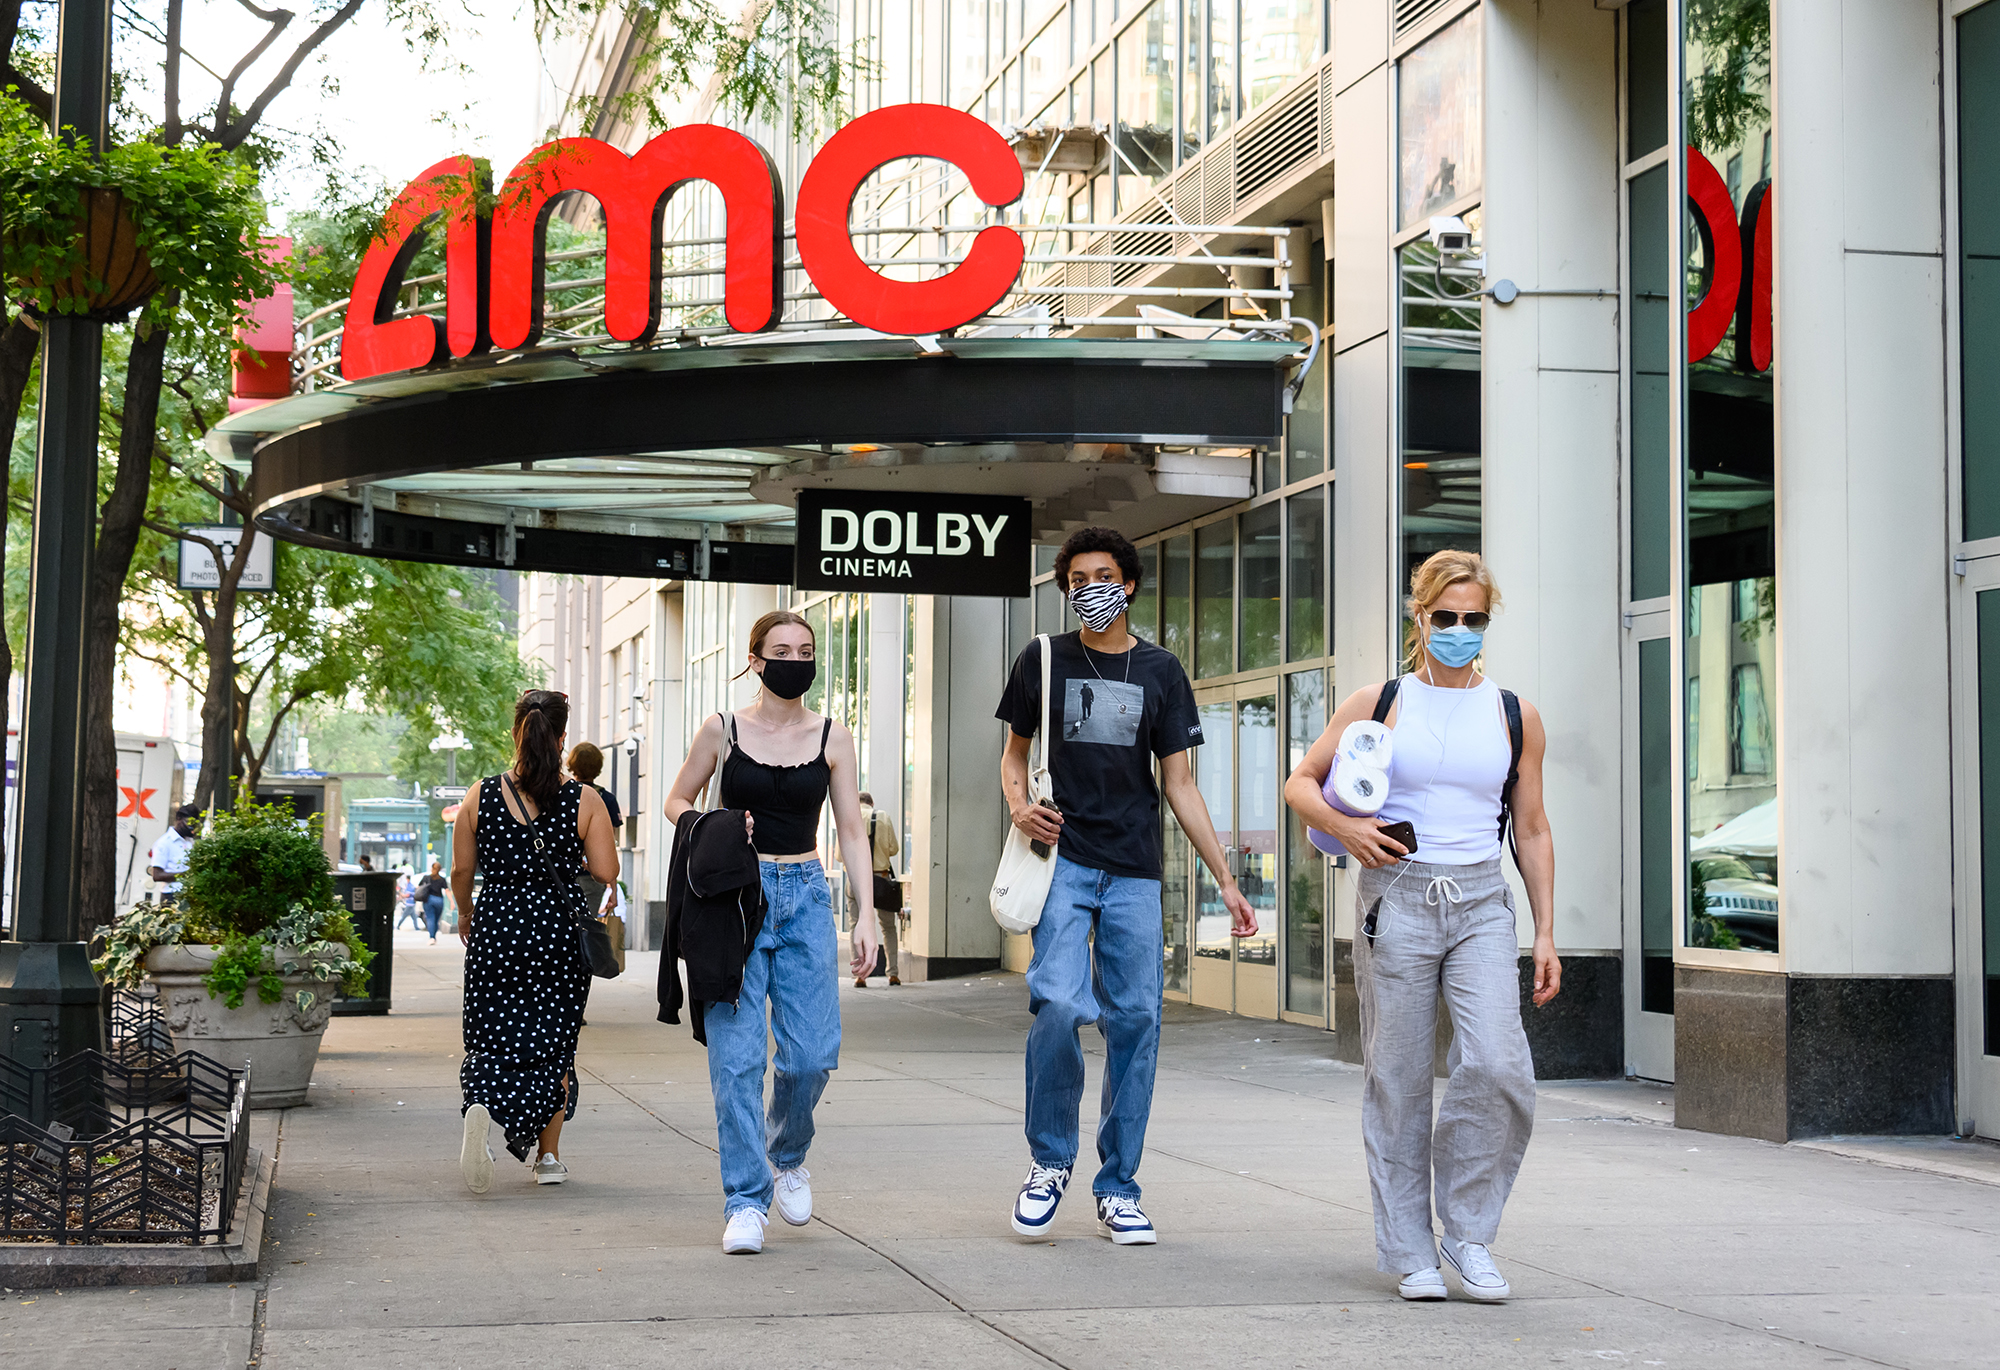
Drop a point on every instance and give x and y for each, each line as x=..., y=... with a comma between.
x=1450, y=764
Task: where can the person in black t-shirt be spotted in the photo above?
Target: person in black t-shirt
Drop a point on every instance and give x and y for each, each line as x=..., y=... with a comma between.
x=1116, y=704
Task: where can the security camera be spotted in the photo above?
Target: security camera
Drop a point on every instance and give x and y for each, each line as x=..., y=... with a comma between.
x=1450, y=236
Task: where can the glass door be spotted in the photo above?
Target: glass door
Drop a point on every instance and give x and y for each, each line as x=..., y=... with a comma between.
x=1215, y=772
x=1979, y=921
x=1650, y=849
x=1257, y=850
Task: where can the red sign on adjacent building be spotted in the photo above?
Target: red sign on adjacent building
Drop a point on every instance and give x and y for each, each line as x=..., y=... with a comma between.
x=494, y=260
x=1738, y=253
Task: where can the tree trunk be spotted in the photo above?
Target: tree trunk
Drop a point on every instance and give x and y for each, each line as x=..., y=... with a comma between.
x=117, y=535
x=219, y=703
x=18, y=343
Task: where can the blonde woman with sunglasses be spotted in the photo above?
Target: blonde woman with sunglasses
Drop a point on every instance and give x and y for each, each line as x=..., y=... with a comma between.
x=1439, y=923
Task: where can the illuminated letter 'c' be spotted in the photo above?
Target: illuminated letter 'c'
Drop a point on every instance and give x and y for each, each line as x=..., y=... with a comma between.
x=826, y=198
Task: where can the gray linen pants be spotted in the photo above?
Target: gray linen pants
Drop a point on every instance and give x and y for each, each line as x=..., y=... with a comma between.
x=1430, y=939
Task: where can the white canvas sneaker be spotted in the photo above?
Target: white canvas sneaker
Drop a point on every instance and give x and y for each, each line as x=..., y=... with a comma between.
x=795, y=1196
x=743, y=1235
x=1421, y=1285
x=1477, y=1275
x=475, y=1157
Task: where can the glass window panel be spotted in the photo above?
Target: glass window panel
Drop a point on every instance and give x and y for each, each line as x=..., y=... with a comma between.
x=1049, y=616
x=1215, y=772
x=1145, y=128
x=1045, y=558
x=1101, y=109
x=968, y=52
x=1215, y=600
x=1989, y=807
x=1280, y=40
x=1174, y=902
x=1438, y=120
x=1730, y=509
x=1645, y=77
x=1176, y=599
x=996, y=33
x=1305, y=557
x=1441, y=492
x=1656, y=826
x=1260, y=571
x=1144, y=618
x=1305, y=868
x=1979, y=264
x=1305, y=431
x=1221, y=66
x=1043, y=65
x=1192, y=103
x=1257, y=808
x=1010, y=90
x=1651, y=246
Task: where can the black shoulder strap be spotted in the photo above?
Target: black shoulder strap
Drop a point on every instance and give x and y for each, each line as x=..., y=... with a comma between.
x=1510, y=703
x=824, y=734
x=1387, y=698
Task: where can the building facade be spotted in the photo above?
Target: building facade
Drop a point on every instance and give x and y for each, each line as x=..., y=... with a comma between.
x=1761, y=619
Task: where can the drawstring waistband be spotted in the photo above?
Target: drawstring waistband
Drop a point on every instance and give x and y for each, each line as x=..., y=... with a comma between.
x=1443, y=889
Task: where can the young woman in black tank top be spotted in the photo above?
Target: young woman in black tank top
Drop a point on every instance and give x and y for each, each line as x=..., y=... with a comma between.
x=781, y=762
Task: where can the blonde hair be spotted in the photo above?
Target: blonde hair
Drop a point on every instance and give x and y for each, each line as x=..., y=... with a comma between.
x=761, y=629
x=1441, y=571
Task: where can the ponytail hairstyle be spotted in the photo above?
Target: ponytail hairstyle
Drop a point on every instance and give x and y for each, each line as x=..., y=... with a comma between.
x=540, y=719
x=761, y=629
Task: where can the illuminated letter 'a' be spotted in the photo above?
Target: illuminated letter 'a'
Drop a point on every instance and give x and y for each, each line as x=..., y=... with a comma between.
x=372, y=342
x=826, y=197
x=631, y=192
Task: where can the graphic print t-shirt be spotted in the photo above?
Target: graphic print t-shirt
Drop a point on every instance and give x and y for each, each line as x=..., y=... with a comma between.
x=1109, y=724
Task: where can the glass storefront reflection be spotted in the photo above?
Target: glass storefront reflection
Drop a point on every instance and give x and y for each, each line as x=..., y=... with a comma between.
x=1257, y=824
x=1215, y=771
x=1731, y=607
x=1305, y=868
x=1441, y=489
x=1438, y=120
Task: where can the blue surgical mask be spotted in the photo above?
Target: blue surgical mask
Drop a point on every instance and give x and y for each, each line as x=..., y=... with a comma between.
x=1455, y=647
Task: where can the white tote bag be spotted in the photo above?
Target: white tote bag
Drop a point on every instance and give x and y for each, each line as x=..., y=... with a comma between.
x=1022, y=885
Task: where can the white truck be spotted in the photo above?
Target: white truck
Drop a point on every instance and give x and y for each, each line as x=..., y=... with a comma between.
x=150, y=780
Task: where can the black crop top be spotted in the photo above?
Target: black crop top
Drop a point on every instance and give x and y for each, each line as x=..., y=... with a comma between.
x=785, y=800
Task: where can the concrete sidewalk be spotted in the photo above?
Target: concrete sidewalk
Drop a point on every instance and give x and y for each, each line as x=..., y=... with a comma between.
x=1628, y=1241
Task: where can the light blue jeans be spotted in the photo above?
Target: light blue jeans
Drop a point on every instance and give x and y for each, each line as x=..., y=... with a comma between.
x=1118, y=989
x=794, y=964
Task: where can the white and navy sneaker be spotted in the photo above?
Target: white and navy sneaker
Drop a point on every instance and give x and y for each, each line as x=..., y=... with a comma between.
x=795, y=1196
x=743, y=1234
x=1040, y=1193
x=1123, y=1221
x=1477, y=1275
x=1420, y=1286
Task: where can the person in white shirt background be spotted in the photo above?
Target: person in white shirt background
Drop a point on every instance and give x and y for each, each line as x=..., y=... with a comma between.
x=169, y=857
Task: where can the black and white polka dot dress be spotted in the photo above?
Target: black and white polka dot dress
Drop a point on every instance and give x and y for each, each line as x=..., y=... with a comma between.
x=525, y=977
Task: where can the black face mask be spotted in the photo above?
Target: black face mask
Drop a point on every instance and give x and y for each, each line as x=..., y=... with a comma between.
x=788, y=677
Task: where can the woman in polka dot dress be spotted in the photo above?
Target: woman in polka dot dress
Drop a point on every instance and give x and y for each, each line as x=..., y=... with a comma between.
x=525, y=976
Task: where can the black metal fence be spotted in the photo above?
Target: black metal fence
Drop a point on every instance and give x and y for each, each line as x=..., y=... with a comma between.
x=136, y=1024
x=97, y=1150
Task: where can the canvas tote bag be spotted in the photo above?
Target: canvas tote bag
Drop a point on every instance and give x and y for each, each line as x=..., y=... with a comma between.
x=1022, y=885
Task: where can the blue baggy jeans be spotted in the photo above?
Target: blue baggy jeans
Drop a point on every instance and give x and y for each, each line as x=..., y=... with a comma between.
x=794, y=966
x=1119, y=989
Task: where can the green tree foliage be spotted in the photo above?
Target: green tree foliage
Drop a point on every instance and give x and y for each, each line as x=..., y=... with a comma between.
x=1728, y=94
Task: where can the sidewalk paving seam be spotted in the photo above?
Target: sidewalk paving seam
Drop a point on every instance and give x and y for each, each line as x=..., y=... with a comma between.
x=260, y=1306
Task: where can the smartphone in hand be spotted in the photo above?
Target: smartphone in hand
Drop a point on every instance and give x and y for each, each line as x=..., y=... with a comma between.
x=1040, y=848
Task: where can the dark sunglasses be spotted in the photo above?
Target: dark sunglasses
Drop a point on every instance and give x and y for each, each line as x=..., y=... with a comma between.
x=1446, y=618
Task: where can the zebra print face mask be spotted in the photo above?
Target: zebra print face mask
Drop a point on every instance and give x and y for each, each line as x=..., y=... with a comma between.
x=1098, y=604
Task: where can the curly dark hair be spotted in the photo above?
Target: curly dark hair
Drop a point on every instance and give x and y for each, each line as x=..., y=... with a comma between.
x=1098, y=540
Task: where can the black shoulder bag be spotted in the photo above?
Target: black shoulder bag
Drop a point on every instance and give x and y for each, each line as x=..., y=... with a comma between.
x=591, y=938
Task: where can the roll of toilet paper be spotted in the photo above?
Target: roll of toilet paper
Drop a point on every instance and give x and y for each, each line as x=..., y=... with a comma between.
x=1355, y=788
x=1369, y=743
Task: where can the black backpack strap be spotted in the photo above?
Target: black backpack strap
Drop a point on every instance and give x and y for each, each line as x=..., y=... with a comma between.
x=1387, y=699
x=1510, y=703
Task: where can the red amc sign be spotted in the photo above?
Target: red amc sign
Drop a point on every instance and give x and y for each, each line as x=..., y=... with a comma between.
x=494, y=260
x=1739, y=267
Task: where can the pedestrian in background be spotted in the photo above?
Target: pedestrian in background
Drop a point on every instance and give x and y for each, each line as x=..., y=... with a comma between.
x=1118, y=704
x=430, y=895
x=525, y=832
x=406, y=900
x=888, y=891
x=1443, y=926
x=779, y=762
x=168, y=860
x=586, y=763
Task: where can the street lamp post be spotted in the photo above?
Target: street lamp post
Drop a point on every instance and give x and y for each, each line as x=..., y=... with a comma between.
x=50, y=1001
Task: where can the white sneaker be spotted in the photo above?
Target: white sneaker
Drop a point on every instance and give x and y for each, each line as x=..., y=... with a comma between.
x=744, y=1233
x=475, y=1156
x=1477, y=1275
x=795, y=1196
x=549, y=1170
x=1420, y=1285
x=1040, y=1193
x=1124, y=1221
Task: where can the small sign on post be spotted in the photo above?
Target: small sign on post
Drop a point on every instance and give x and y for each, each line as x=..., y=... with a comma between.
x=912, y=544
x=198, y=568
x=449, y=793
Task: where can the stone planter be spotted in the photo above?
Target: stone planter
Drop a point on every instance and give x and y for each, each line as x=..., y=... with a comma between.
x=280, y=1041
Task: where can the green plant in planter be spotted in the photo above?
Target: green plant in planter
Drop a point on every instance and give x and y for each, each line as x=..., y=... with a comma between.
x=256, y=883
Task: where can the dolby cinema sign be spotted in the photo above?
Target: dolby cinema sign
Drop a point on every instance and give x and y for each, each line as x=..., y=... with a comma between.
x=869, y=541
